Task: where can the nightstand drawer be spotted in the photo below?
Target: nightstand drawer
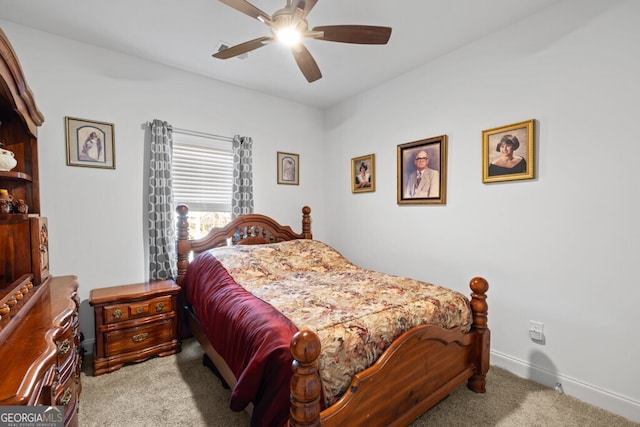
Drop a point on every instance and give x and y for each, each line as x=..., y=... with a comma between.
x=131, y=339
x=137, y=309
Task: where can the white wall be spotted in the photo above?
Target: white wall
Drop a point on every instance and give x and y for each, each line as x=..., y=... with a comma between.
x=562, y=248
x=96, y=215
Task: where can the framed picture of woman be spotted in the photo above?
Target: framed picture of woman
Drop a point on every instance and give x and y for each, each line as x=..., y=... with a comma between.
x=90, y=143
x=508, y=152
x=288, y=168
x=422, y=171
x=363, y=174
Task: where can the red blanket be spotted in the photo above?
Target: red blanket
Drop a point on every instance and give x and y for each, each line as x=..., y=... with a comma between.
x=251, y=336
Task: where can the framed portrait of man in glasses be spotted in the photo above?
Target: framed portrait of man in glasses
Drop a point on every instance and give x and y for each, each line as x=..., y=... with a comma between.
x=422, y=171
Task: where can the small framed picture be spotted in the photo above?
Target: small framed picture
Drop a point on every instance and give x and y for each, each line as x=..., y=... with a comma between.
x=90, y=143
x=422, y=171
x=363, y=171
x=288, y=168
x=508, y=152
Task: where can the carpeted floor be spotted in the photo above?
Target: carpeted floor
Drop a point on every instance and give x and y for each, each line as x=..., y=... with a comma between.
x=179, y=391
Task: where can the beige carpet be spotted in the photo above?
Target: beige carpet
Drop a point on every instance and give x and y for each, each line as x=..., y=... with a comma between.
x=179, y=391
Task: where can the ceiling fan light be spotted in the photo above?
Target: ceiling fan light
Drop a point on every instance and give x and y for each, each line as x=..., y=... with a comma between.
x=289, y=36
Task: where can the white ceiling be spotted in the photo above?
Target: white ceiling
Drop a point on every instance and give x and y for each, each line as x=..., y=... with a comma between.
x=185, y=33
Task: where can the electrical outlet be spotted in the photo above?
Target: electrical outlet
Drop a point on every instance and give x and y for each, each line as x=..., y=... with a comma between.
x=536, y=330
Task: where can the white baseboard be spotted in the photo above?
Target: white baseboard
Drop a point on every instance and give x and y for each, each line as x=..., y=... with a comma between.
x=88, y=344
x=604, y=399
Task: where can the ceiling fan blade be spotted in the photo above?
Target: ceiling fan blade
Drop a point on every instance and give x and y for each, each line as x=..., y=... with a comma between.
x=304, y=5
x=248, y=9
x=241, y=48
x=358, y=34
x=307, y=64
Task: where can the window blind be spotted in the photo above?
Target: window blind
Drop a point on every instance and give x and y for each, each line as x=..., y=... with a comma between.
x=202, y=169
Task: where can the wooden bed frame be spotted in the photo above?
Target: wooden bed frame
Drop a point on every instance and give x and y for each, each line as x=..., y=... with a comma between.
x=419, y=369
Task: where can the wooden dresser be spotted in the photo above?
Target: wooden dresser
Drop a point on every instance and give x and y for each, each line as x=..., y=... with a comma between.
x=134, y=322
x=40, y=353
x=39, y=336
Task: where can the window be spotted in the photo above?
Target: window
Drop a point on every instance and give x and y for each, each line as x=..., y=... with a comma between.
x=202, y=170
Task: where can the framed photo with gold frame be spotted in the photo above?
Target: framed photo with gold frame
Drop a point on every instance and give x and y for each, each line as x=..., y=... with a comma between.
x=508, y=152
x=363, y=174
x=422, y=171
x=90, y=143
x=288, y=168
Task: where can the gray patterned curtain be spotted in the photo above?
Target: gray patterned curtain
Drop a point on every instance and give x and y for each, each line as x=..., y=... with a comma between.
x=242, y=199
x=161, y=222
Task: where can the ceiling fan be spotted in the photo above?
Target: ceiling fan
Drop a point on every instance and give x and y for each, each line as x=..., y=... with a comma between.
x=289, y=25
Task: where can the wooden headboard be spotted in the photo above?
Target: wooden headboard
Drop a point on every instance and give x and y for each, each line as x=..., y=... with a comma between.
x=251, y=229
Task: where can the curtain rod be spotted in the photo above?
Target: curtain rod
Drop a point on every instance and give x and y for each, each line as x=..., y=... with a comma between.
x=202, y=134
x=196, y=133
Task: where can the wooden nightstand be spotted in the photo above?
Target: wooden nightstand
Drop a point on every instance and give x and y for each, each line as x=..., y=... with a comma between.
x=134, y=322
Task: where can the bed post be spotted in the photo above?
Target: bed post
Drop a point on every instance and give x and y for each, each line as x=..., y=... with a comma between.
x=306, y=222
x=305, y=382
x=182, y=244
x=481, y=346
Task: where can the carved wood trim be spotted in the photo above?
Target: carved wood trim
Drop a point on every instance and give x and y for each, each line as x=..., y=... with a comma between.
x=14, y=301
x=246, y=230
x=13, y=82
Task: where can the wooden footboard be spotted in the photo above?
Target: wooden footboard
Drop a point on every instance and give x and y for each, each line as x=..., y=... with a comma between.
x=418, y=370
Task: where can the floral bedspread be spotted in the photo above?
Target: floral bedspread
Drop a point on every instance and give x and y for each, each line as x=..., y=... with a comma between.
x=356, y=313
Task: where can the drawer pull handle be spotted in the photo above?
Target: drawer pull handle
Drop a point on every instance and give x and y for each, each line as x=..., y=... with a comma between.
x=140, y=337
x=139, y=310
x=66, y=397
x=63, y=347
x=117, y=314
x=159, y=306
